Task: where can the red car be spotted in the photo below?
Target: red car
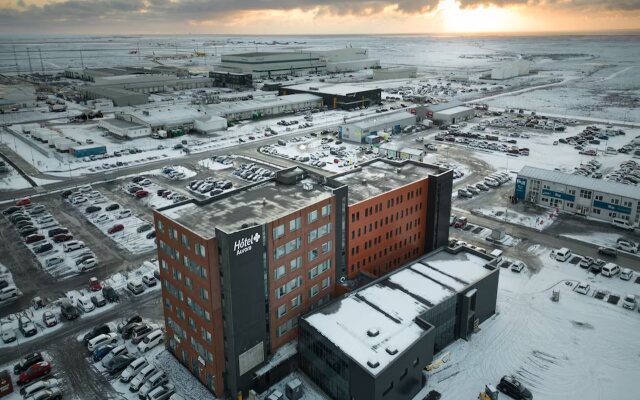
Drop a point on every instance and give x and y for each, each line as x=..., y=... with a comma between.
x=460, y=223
x=94, y=284
x=142, y=193
x=23, y=202
x=35, y=371
x=62, y=237
x=33, y=238
x=115, y=228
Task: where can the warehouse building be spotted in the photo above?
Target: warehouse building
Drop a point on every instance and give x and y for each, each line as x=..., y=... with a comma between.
x=120, y=97
x=242, y=267
x=511, y=69
x=394, y=73
x=266, y=107
x=234, y=80
x=374, y=343
x=446, y=113
x=358, y=131
x=346, y=97
x=123, y=129
x=173, y=117
x=268, y=64
x=347, y=60
x=580, y=195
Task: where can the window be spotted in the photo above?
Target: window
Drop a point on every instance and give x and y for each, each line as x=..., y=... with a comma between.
x=295, y=224
x=160, y=226
x=288, y=287
x=326, y=210
x=280, y=271
x=187, y=282
x=314, y=290
x=164, y=265
x=278, y=231
x=167, y=303
x=185, y=240
x=296, y=301
x=313, y=254
x=200, y=250
x=312, y=235
x=326, y=247
x=312, y=216
x=279, y=252
x=326, y=282
x=204, y=294
x=173, y=234
x=295, y=263
x=287, y=326
x=324, y=229
x=206, y=335
x=180, y=313
x=293, y=245
x=282, y=310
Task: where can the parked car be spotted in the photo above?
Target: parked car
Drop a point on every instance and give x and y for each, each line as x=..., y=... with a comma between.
x=43, y=248
x=510, y=386
x=610, y=269
x=69, y=311
x=627, y=246
x=92, y=209
x=53, y=393
x=583, y=288
x=112, y=207
x=151, y=340
x=38, y=386
x=110, y=294
x=33, y=238
x=26, y=362
x=116, y=351
x=563, y=254
x=629, y=302
x=119, y=363
x=23, y=202
x=586, y=262
x=517, y=266
x=98, y=300
x=157, y=379
x=133, y=368
x=140, y=332
x=151, y=235
x=148, y=280
x=135, y=318
x=73, y=246
x=96, y=331
x=124, y=214
x=142, y=377
x=8, y=334
x=607, y=251
x=85, y=304
x=37, y=370
x=163, y=392
x=460, y=223
x=8, y=292
x=135, y=287
x=57, y=231
x=49, y=319
x=27, y=327
x=11, y=210
x=101, y=351
x=115, y=228
x=110, y=338
x=94, y=284
x=144, y=228
x=62, y=237
x=626, y=274
x=87, y=264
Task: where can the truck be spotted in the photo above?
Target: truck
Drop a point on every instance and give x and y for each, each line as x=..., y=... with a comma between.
x=63, y=146
x=88, y=150
x=57, y=108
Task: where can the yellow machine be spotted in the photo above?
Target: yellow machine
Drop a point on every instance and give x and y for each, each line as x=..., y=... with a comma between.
x=490, y=393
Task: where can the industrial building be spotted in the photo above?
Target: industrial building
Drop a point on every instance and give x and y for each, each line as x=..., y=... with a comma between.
x=347, y=59
x=359, y=131
x=266, y=107
x=124, y=129
x=91, y=74
x=446, y=113
x=580, y=195
x=374, y=343
x=334, y=96
x=268, y=64
x=398, y=151
x=511, y=69
x=234, y=80
x=242, y=267
x=380, y=74
x=17, y=96
x=172, y=117
x=120, y=97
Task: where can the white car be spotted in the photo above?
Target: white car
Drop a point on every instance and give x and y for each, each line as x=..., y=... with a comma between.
x=142, y=377
x=517, y=266
x=102, y=218
x=159, y=378
x=123, y=214
x=629, y=302
x=85, y=304
x=79, y=200
x=8, y=292
x=144, y=182
x=627, y=246
x=88, y=264
x=54, y=261
x=132, y=369
x=626, y=274
x=150, y=341
x=102, y=339
x=38, y=386
x=583, y=288
x=8, y=334
x=116, y=351
x=73, y=246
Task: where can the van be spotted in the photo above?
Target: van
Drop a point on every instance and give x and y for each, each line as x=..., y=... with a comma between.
x=610, y=269
x=621, y=223
x=8, y=292
x=151, y=340
x=563, y=254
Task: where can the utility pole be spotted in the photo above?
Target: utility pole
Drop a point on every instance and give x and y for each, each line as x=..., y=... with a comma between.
x=15, y=59
x=29, y=57
x=41, y=63
x=81, y=59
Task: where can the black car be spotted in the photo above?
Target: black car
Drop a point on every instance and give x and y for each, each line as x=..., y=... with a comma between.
x=510, y=386
x=110, y=294
x=10, y=210
x=127, y=330
x=98, y=330
x=119, y=363
x=128, y=321
x=138, y=179
x=99, y=301
x=28, y=230
x=433, y=395
x=26, y=362
x=67, y=193
x=607, y=251
x=151, y=235
x=112, y=207
x=20, y=218
x=42, y=248
x=69, y=311
x=134, y=189
x=57, y=231
x=595, y=268
x=92, y=209
x=144, y=228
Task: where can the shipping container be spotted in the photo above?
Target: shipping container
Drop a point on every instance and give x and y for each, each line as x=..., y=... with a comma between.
x=87, y=150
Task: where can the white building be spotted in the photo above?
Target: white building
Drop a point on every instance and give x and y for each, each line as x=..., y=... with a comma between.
x=268, y=64
x=400, y=152
x=449, y=113
x=511, y=69
x=357, y=131
x=265, y=107
x=575, y=194
x=347, y=60
x=394, y=73
x=124, y=129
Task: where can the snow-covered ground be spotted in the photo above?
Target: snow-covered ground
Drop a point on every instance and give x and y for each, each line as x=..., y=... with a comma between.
x=6, y=275
x=607, y=239
x=310, y=390
x=578, y=348
x=539, y=221
x=14, y=378
x=12, y=180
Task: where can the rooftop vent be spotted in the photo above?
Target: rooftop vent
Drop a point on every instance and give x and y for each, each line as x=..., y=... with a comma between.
x=244, y=226
x=398, y=170
x=307, y=186
x=373, y=363
x=145, y=112
x=392, y=350
x=373, y=332
x=364, y=181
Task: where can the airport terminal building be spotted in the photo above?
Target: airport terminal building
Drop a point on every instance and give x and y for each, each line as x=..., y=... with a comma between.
x=255, y=259
x=575, y=194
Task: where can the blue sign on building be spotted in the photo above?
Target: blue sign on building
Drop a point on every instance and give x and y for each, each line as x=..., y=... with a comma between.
x=611, y=207
x=521, y=188
x=558, y=195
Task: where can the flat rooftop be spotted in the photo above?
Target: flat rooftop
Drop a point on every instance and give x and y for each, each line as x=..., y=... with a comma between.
x=258, y=54
x=120, y=123
x=226, y=108
x=169, y=115
x=377, y=120
x=328, y=88
x=379, y=177
x=391, y=305
x=454, y=110
x=257, y=204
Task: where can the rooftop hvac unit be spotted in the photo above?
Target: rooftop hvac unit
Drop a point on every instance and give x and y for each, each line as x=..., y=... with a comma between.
x=372, y=332
x=307, y=186
x=373, y=363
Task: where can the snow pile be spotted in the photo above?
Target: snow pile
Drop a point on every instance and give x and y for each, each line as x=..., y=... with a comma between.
x=535, y=221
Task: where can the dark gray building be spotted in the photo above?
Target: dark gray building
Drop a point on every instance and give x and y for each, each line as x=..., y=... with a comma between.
x=334, y=96
x=374, y=342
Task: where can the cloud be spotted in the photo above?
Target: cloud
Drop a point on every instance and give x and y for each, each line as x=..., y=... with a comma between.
x=578, y=5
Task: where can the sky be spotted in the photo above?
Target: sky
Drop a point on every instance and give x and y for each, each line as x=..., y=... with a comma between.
x=284, y=17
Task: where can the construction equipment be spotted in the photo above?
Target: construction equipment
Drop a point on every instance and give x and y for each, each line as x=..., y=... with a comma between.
x=490, y=393
x=437, y=363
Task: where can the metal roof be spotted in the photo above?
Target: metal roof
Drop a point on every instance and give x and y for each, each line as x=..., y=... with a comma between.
x=615, y=188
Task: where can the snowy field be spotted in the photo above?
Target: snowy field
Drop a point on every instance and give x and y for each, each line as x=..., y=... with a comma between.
x=12, y=180
x=578, y=348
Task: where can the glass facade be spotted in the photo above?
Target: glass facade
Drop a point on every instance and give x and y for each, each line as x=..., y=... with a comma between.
x=443, y=318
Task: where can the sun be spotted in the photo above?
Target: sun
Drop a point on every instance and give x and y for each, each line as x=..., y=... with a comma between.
x=481, y=19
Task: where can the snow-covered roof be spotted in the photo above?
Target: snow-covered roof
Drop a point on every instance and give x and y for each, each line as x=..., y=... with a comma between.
x=615, y=188
x=262, y=104
x=330, y=88
x=454, y=110
x=379, y=120
x=172, y=115
x=379, y=317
